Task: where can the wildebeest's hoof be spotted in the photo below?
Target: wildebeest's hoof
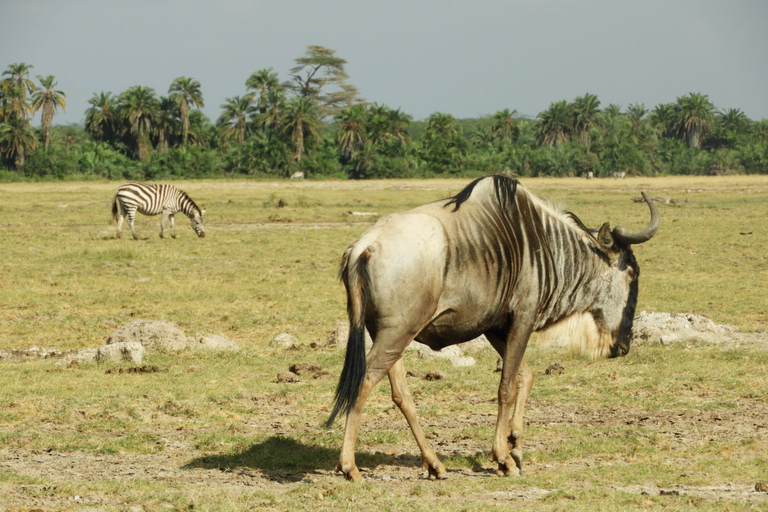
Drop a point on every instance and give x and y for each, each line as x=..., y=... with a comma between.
x=437, y=471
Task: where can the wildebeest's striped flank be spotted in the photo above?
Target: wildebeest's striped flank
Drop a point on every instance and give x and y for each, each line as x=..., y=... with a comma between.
x=154, y=200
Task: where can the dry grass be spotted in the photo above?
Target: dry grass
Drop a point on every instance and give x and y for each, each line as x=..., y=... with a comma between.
x=217, y=432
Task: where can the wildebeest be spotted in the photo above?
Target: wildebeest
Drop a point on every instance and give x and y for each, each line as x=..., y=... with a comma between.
x=496, y=260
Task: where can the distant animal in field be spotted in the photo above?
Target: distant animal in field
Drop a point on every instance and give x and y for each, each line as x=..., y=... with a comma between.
x=590, y=175
x=155, y=200
x=495, y=260
x=620, y=175
x=297, y=176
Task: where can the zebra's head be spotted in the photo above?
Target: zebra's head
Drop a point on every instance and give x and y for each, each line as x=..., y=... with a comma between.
x=197, y=222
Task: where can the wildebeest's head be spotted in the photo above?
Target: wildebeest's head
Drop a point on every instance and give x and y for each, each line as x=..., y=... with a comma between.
x=197, y=223
x=605, y=329
x=614, y=312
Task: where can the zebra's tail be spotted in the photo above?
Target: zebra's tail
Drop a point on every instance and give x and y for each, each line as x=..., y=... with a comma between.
x=115, y=207
x=355, y=277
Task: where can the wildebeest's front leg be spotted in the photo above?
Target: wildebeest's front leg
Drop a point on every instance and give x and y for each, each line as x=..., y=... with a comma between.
x=402, y=397
x=517, y=340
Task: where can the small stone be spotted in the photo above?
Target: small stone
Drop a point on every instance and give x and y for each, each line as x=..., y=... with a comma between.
x=435, y=375
x=761, y=487
x=555, y=369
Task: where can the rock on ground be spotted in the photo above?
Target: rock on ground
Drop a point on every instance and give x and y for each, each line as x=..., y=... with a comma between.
x=671, y=327
x=152, y=334
x=131, y=351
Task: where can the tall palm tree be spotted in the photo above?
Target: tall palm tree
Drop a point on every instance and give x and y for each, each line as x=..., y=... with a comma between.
x=352, y=135
x=101, y=117
x=274, y=103
x=695, y=117
x=504, y=127
x=233, y=121
x=302, y=121
x=47, y=99
x=554, y=124
x=17, y=140
x=263, y=81
x=139, y=107
x=586, y=116
x=186, y=92
x=167, y=123
x=663, y=117
x=18, y=74
x=13, y=104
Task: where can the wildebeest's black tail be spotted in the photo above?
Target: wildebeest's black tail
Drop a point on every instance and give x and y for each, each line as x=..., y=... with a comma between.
x=354, y=275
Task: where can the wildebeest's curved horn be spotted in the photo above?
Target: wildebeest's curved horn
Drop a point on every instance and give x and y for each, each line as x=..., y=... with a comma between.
x=628, y=238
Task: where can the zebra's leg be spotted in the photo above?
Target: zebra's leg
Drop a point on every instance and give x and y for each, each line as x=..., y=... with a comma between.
x=120, y=219
x=131, y=218
x=172, y=217
x=162, y=224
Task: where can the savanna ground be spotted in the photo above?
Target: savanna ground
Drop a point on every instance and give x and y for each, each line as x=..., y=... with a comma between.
x=679, y=426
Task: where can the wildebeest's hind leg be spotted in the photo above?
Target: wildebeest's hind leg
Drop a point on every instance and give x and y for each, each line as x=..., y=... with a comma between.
x=387, y=349
x=402, y=397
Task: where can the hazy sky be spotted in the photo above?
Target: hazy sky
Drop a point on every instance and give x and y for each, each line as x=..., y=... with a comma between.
x=465, y=58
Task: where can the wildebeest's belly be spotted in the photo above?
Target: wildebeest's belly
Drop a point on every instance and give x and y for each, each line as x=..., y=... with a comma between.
x=451, y=327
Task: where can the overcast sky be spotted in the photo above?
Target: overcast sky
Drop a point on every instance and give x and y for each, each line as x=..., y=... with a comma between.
x=465, y=58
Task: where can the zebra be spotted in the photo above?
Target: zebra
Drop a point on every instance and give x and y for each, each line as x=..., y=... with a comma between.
x=154, y=200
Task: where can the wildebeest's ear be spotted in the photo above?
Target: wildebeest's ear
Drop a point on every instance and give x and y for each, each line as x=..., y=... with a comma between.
x=605, y=237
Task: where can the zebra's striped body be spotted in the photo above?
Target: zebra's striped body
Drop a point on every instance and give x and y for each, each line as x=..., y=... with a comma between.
x=155, y=200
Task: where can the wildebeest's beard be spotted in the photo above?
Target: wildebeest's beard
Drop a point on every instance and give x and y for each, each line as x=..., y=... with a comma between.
x=621, y=347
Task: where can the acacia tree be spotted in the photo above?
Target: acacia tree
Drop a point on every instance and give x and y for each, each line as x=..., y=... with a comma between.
x=47, y=99
x=185, y=92
x=320, y=76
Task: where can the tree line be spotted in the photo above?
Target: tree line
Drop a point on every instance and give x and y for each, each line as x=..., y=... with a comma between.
x=317, y=123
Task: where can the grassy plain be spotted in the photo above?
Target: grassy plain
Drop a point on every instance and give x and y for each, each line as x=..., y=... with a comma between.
x=216, y=431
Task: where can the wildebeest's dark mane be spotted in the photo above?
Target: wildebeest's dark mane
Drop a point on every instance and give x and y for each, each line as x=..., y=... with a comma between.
x=505, y=188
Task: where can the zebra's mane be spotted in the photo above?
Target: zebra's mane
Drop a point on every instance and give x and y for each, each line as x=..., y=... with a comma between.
x=506, y=188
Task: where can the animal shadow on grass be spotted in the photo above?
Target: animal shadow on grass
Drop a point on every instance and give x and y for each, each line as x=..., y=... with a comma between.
x=279, y=458
x=284, y=459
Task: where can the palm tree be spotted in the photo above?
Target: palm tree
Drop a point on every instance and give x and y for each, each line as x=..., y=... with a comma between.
x=554, y=124
x=263, y=81
x=504, y=127
x=17, y=140
x=102, y=116
x=351, y=136
x=167, y=123
x=18, y=74
x=695, y=117
x=586, y=116
x=186, y=92
x=274, y=103
x=47, y=99
x=302, y=121
x=663, y=117
x=233, y=121
x=139, y=107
